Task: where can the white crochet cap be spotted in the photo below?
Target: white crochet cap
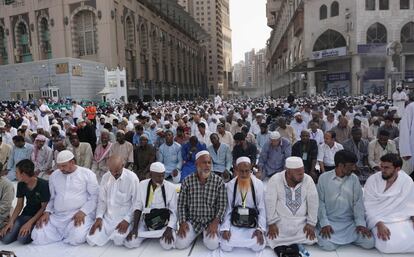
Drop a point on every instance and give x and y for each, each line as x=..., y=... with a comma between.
x=201, y=153
x=157, y=167
x=243, y=160
x=64, y=156
x=294, y=162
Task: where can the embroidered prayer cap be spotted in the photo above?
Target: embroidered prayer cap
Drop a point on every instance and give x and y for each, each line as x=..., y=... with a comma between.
x=297, y=114
x=243, y=160
x=40, y=138
x=64, y=156
x=201, y=153
x=274, y=135
x=294, y=163
x=157, y=167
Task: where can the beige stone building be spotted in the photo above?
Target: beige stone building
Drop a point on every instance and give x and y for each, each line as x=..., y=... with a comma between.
x=336, y=47
x=157, y=42
x=214, y=17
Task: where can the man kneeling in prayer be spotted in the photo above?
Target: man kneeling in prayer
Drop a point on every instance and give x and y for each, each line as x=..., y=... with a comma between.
x=389, y=204
x=291, y=208
x=244, y=223
x=155, y=210
x=117, y=195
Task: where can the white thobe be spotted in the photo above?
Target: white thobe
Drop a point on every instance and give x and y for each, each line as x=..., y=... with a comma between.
x=394, y=208
x=157, y=203
x=291, y=209
x=242, y=237
x=407, y=133
x=115, y=204
x=399, y=99
x=69, y=194
x=298, y=127
x=43, y=120
x=317, y=136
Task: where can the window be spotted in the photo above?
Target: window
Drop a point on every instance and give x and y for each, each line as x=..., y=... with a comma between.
x=404, y=4
x=407, y=33
x=384, y=5
x=85, y=33
x=3, y=47
x=377, y=34
x=44, y=38
x=122, y=83
x=334, y=9
x=323, y=12
x=328, y=40
x=370, y=5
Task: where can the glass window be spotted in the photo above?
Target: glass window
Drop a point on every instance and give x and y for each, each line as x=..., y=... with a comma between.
x=328, y=40
x=323, y=12
x=86, y=37
x=384, y=4
x=334, y=9
x=407, y=33
x=377, y=34
x=370, y=5
x=404, y=4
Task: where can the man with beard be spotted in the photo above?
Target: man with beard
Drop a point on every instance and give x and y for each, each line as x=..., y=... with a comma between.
x=341, y=208
x=82, y=151
x=188, y=152
x=225, y=136
x=20, y=151
x=307, y=149
x=291, y=208
x=117, y=195
x=298, y=125
x=243, y=148
x=155, y=214
x=359, y=146
x=245, y=196
x=71, y=209
x=101, y=156
x=42, y=157
x=263, y=136
x=380, y=147
x=170, y=155
x=389, y=204
x=201, y=205
x=273, y=155
x=342, y=130
x=124, y=149
x=144, y=155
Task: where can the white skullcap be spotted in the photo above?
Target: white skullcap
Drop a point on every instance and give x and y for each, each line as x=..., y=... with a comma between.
x=294, y=162
x=157, y=167
x=167, y=123
x=64, y=156
x=135, y=122
x=297, y=114
x=242, y=160
x=274, y=135
x=79, y=120
x=158, y=130
x=2, y=124
x=201, y=153
x=54, y=121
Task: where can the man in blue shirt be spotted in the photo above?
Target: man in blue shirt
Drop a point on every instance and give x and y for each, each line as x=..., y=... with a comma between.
x=221, y=157
x=170, y=155
x=20, y=151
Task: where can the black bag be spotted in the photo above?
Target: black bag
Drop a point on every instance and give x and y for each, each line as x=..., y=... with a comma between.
x=244, y=217
x=287, y=251
x=157, y=219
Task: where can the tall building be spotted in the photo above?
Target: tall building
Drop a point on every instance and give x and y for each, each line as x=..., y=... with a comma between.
x=250, y=61
x=340, y=47
x=157, y=42
x=239, y=74
x=214, y=17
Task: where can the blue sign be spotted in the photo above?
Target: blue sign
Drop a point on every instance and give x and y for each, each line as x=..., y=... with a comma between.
x=409, y=74
x=374, y=74
x=372, y=49
x=331, y=77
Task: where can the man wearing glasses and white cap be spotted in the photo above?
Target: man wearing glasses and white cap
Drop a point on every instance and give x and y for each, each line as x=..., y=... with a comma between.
x=291, y=208
x=71, y=209
x=201, y=205
x=244, y=224
x=155, y=214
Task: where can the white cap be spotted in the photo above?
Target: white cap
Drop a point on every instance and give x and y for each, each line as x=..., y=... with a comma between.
x=64, y=156
x=157, y=167
x=201, y=153
x=294, y=162
x=243, y=160
x=297, y=114
x=79, y=120
x=274, y=135
x=2, y=124
x=167, y=123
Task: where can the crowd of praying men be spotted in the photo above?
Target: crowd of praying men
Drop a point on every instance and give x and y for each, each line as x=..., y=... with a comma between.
x=280, y=172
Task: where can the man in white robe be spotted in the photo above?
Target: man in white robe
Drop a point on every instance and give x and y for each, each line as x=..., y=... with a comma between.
x=71, y=209
x=42, y=114
x=389, y=204
x=399, y=98
x=341, y=217
x=291, y=207
x=117, y=195
x=407, y=134
x=245, y=237
x=102, y=155
x=154, y=193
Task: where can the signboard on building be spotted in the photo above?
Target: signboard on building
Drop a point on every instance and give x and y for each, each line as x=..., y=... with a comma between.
x=376, y=87
x=334, y=52
x=77, y=71
x=341, y=76
x=62, y=68
x=338, y=88
x=372, y=49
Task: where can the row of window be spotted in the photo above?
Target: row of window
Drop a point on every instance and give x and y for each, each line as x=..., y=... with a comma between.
x=323, y=10
x=371, y=5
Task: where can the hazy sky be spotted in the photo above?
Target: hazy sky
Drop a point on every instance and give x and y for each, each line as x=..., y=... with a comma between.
x=249, y=26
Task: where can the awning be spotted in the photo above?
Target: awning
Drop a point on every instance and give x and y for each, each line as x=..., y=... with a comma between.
x=105, y=91
x=306, y=69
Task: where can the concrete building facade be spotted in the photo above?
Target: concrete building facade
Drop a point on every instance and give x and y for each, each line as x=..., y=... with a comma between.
x=214, y=17
x=157, y=42
x=340, y=47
